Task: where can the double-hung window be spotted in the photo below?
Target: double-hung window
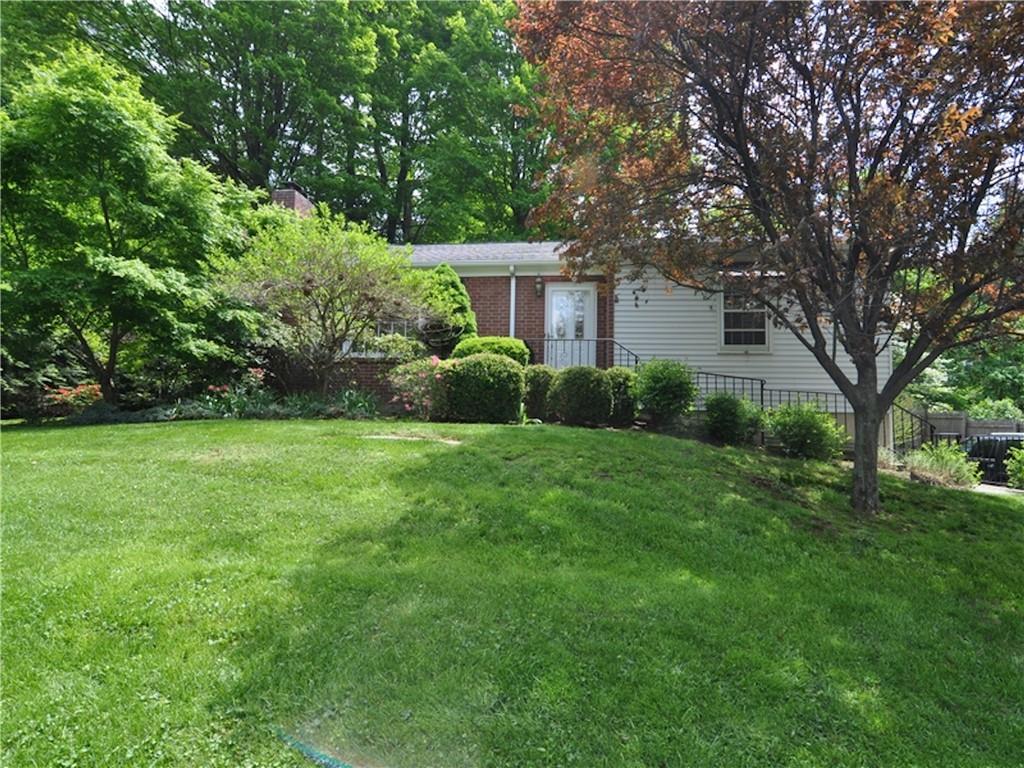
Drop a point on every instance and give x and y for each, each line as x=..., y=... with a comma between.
x=744, y=322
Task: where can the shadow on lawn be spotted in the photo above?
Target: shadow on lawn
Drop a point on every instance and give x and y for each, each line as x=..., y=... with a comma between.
x=540, y=599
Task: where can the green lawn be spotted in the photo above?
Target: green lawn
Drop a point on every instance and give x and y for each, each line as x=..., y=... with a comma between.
x=177, y=594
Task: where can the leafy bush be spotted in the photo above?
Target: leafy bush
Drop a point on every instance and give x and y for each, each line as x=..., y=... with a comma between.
x=581, y=395
x=417, y=388
x=1015, y=467
x=495, y=345
x=730, y=419
x=996, y=409
x=665, y=389
x=538, y=383
x=943, y=464
x=67, y=400
x=451, y=318
x=395, y=346
x=807, y=433
x=623, y=382
x=484, y=387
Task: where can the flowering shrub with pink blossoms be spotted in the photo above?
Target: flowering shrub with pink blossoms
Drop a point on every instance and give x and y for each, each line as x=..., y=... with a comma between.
x=66, y=400
x=418, y=387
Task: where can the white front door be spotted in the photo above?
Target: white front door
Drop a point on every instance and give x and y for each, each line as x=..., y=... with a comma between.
x=571, y=324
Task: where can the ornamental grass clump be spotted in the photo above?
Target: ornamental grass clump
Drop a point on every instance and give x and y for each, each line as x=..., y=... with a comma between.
x=943, y=464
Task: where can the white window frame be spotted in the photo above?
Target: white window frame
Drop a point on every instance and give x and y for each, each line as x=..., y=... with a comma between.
x=742, y=349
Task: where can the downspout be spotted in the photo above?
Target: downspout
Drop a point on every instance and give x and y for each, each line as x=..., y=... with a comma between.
x=512, y=300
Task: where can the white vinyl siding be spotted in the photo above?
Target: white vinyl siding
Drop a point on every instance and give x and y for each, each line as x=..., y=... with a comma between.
x=662, y=320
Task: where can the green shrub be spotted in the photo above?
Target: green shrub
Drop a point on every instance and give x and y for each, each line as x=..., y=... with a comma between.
x=581, y=395
x=943, y=464
x=450, y=318
x=495, y=345
x=1015, y=467
x=730, y=419
x=996, y=409
x=807, y=433
x=538, y=382
x=665, y=389
x=484, y=387
x=417, y=388
x=623, y=383
x=395, y=346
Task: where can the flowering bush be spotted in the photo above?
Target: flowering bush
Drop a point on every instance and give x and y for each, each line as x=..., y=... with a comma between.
x=63, y=401
x=417, y=387
x=246, y=398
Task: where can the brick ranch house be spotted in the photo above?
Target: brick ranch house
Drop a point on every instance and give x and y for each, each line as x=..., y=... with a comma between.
x=519, y=289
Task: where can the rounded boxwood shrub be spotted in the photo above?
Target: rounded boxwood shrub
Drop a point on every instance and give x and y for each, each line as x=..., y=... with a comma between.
x=665, y=389
x=730, y=419
x=623, y=382
x=484, y=387
x=495, y=345
x=807, y=433
x=538, y=382
x=581, y=395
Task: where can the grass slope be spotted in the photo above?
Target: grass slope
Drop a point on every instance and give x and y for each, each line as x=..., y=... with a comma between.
x=529, y=596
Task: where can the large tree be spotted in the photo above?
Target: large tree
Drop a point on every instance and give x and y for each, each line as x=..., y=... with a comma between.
x=862, y=162
x=105, y=235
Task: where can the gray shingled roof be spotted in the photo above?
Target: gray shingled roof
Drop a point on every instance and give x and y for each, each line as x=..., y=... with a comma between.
x=485, y=253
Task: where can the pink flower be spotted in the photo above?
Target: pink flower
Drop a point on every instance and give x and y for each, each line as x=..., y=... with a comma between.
x=408, y=407
x=435, y=360
x=437, y=376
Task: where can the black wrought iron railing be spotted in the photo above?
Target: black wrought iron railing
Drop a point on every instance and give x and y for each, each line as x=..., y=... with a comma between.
x=910, y=430
x=745, y=387
x=602, y=353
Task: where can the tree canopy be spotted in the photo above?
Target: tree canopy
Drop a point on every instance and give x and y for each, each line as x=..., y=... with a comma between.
x=105, y=234
x=416, y=118
x=856, y=168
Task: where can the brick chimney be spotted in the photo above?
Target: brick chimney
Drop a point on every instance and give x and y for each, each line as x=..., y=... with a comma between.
x=290, y=196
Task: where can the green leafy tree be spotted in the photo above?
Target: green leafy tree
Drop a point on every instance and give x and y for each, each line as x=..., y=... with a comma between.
x=323, y=286
x=106, y=236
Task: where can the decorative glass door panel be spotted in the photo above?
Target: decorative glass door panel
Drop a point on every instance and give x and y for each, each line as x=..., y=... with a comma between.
x=571, y=326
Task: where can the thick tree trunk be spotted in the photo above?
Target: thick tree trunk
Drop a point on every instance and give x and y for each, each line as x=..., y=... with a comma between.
x=867, y=419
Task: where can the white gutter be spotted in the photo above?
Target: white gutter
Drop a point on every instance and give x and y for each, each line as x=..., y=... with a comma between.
x=512, y=300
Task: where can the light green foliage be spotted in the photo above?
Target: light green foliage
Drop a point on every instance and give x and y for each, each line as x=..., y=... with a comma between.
x=514, y=349
x=451, y=318
x=996, y=409
x=1015, y=467
x=322, y=285
x=581, y=394
x=943, y=464
x=105, y=235
x=511, y=597
x=665, y=389
x=730, y=419
x=623, y=385
x=806, y=433
x=395, y=346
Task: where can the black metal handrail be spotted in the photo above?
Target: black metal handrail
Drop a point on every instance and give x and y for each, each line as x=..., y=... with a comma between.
x=746, y=387
x=910, y=430
x=599, y=352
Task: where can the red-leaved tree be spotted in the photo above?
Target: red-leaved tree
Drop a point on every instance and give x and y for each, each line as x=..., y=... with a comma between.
x=856, y=166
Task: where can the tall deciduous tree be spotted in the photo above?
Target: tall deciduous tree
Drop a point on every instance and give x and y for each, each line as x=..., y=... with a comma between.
x=105, y=235
x=863, y=162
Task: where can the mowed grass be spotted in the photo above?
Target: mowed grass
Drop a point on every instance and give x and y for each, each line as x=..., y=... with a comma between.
x=182, y=594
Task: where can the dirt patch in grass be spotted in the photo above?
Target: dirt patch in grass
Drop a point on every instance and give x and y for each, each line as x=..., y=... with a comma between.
x=415, y=438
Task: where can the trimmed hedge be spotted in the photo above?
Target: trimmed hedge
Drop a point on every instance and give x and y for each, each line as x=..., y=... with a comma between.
x=538, y=382
x=512, y=348
x=665, y=389
x=623, y=382
x=484, y=387
x=730, y=419
x=581, y=395
x=807, y=433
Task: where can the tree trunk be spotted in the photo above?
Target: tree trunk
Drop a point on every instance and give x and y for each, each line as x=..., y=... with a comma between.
x=867, y=419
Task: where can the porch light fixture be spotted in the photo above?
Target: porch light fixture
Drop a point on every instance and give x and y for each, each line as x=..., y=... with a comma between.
x=538, y=286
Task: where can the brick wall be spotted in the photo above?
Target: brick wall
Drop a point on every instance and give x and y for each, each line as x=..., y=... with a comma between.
x=489, y=297
x=292, y=198
x=372, y=376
